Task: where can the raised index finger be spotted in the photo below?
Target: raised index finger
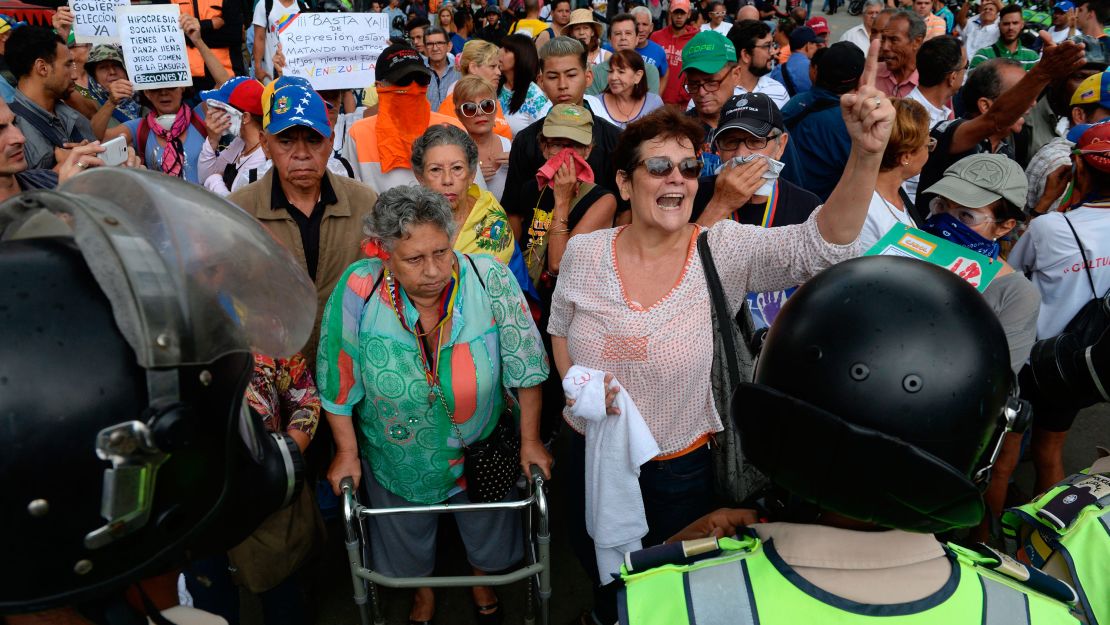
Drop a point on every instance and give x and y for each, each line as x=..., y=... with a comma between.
x=871, y=65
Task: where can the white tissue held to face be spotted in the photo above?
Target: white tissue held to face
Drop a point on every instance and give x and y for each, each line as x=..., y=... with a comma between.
x=770, y=176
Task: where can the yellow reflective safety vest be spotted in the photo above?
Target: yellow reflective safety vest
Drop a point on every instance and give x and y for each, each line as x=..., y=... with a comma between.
x=750, y=584
x=1071, y=521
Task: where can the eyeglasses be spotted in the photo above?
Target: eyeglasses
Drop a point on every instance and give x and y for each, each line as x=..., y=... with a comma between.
x=970, y=217
x=470, y=109
x=434, y=44
x=733, y=140
x=965, y=67
x=716, y=13
x=770, y=46
x=661, y=167
x=711, y=86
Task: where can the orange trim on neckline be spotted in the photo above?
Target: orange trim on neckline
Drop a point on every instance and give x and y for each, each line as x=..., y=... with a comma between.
x=634, y=306
x=698, y=443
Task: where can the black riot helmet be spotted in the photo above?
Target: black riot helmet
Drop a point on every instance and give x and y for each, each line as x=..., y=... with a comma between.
x=130, y=306
x=882, y=393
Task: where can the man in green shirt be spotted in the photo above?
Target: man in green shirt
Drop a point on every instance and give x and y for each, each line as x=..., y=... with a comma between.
x=1008, y=46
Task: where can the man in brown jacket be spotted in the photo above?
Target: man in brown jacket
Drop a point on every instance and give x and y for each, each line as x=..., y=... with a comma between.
x=313, y=212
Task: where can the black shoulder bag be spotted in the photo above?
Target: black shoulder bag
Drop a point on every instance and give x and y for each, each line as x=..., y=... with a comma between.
x=1089, y=324
x=491, y=465
x=733, y=363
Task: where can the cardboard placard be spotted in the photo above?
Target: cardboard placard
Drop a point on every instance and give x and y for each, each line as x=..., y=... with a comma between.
x=94, y=21
x=333, y=50
x=978, y=270
x=154, y=46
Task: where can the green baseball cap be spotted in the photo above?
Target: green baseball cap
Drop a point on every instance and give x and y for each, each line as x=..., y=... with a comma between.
x=708, y=52
x=977, y=180
x=569, y=121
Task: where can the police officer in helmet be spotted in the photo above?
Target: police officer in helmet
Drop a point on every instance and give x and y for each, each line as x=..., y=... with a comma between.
x=880, y=398
x=130, y=306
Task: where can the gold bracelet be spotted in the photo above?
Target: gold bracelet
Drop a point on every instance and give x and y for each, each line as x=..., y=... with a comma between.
x=561, y=231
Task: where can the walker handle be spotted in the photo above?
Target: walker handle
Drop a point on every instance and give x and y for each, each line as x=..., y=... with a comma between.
x=347, y=484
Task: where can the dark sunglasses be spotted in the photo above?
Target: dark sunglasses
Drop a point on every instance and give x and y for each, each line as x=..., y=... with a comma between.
x=661, y=167
x=470, y=109
x=421, y=79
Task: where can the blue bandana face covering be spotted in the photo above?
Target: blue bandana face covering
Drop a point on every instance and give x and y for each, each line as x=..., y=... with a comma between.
x=951, y=229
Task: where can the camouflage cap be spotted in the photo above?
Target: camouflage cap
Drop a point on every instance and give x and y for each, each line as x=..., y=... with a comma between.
x=103, y=52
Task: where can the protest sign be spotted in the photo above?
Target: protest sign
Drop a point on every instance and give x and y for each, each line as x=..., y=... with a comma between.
x=333, y=50
x=94, y=21
x=978, y=270
x=154, y=46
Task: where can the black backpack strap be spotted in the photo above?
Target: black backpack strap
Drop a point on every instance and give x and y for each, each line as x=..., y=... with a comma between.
x=346, y=165
x=1083, y=254
x=720, y=307
x=31, y=117
x=476, y=272
x=791, y=88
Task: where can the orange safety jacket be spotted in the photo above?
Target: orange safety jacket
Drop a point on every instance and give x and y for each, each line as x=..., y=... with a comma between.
x=205, y=10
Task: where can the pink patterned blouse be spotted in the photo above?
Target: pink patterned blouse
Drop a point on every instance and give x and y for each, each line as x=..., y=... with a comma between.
x=662, y=355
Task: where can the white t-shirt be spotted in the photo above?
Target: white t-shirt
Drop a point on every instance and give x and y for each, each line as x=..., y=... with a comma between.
x=769, y=87
x=1058, y=36
x=858, y=35
x=496, y=184
x=936, y=116
x=976, y=36
x=277, y=12
x=881, y=217
x=722, y=28
x=1048, y=254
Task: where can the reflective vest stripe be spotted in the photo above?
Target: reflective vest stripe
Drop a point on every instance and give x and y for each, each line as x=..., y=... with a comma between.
x=1003, y=605
x=719, y=594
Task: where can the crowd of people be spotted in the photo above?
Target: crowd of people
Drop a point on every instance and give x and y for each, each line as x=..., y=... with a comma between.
x=525, y=191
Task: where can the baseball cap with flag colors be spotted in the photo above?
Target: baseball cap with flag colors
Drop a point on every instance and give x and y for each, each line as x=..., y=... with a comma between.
x=297, y=105
x=1095, y=89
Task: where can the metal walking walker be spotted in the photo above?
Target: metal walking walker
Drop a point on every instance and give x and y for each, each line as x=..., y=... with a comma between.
x=537, y=553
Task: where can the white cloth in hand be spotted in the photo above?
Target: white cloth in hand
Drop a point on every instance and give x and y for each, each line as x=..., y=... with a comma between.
x=616, y=446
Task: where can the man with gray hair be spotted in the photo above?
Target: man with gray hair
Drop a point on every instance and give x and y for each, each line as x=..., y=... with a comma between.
x=860, y=34
x=901, y=38
x=652, y=52
x=564, y=77
x=314, y=213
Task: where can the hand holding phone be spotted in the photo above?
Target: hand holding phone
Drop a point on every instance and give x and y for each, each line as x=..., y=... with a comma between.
x=115, y=151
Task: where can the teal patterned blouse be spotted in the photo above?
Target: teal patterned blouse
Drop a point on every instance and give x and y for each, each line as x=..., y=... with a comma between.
x=369, y=367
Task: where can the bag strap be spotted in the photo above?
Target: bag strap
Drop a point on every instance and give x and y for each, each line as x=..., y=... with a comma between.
x=38, y=123
x=476, y=272
x=788, y=82
x=1083, y=254
x=140, y=141
x=199, y=124
x=720, y=307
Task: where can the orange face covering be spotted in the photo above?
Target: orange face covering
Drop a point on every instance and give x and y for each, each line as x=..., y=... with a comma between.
x=403, y=114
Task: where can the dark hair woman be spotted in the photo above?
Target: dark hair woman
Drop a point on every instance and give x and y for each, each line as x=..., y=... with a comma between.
x=522, y=100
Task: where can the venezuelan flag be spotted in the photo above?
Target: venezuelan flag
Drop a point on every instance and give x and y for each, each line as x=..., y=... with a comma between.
x=284, y=21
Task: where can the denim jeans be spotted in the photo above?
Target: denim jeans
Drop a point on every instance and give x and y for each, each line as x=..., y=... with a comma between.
x=675, y=492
